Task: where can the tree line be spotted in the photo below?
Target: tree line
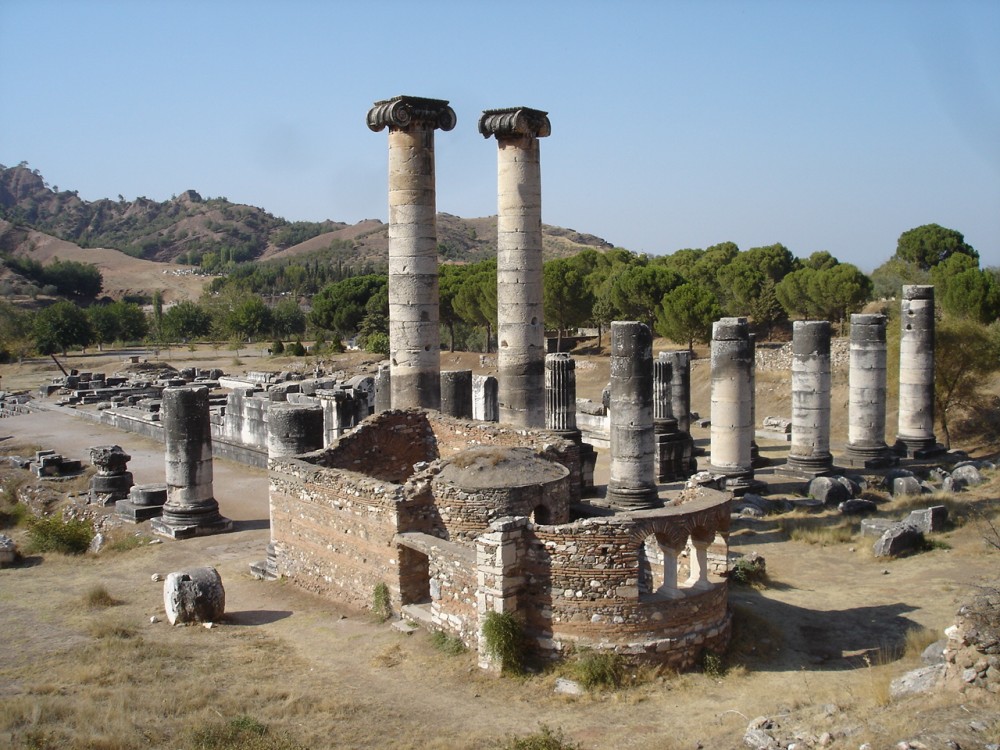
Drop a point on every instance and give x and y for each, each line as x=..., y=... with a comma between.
x=678, y=295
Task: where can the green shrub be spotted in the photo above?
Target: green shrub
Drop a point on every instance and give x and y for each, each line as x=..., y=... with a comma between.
x=67, y=535
x=544, y=739
x=277, y=348
x=295, y=349
x=241, y=733
x=381, y=603
x=599, y=669
x=504, y=641
x=748, y=571
x=448, y=644
x=712, y=664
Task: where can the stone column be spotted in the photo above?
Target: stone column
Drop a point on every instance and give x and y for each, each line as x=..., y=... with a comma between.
x=866, y=446
x=113, y=481
x=191, y=508
x=484, y=398
x=916, y=373
x=560, y=415
x=414, y=338
x=811, y=381
x=755, y=459
x=520, y=325
x=292, y=429
x=670, y=463
x=732, y=399
x=632, y=485
x=383, y=393
x=456, y=393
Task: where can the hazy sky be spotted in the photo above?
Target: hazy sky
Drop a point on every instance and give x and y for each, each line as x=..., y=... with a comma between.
x=825, y=126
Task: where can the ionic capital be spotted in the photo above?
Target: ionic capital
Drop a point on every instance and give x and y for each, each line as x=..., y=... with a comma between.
x=405, y=112
x=515, y=122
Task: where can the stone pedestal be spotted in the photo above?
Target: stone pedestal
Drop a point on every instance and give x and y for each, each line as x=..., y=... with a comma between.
x=292, y=429
x=414, y=338
x=383, y=390
x=191, y=508
x=915, y=438
x=145, y=501
x=809, y=455
x=456, y=393
x=194, y=596
x=732, y=402
x=520, y=325
x=112, y=481
x=485, y=405
x=866, y=446
x=560, y=416
x=632, y=484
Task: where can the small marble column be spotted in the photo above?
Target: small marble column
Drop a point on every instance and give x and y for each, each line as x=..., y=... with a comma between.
x=866, y=446
x=383, y=392
x=809, y=454
x=632, y=484
x=292, y=429
x=456, y=393
x=113, y=481
x=191, y=508
x=673, y=447
x=560, y=416
x=414, y=338
x=916, y=373
x=520, y=325
x=732, y=399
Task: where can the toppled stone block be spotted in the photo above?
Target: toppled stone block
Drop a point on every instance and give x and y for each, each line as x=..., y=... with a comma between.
x=8, y=551
x=875, y=527
x=902, y=486
x=568, y=687
x=950, y=484
x=928, y=520
x=828, y=490
x=934, y=654
x=967, y=473
x=893, y=474
x=194, y=595
x=898, y=539
x=854, y=484
x=857, y=507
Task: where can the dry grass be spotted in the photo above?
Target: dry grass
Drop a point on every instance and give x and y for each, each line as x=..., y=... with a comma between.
x=98, y=597
x=819, y=530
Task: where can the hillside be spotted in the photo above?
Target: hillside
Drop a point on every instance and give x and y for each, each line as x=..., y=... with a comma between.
x=194, y=230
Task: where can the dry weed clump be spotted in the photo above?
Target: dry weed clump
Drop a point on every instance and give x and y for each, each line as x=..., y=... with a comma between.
x=99, y=597
x=819, y=530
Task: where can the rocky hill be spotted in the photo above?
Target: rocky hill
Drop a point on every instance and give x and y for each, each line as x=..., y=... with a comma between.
x=194, y=230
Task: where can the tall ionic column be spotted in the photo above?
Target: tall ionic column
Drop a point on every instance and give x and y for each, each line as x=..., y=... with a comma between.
x=560, y=415
x=811, y=381
x=732, y=399
x=191, y=508
x=866, y=446
x=414, y=338
x=916, y=373
x=520, y=326
x=632, y=484
x=292, y=429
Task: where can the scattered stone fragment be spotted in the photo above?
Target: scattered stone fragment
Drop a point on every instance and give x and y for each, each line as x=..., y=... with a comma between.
x=906, y=486
x=8, y=551
x=922, y=680
x=156, y=577
x=97, y=543
x=934, y=654
x=967, y=473
x=194, y=595
x=898, y=540
x=828, y=490
x=857, y=506
x=950, y=484
x=568, y=687
x=875, y=527
x=928, y=520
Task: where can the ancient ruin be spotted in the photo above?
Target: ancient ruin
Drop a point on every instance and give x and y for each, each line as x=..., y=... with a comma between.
x=113, y=481
x=916, y=437
x=414, y=338
x=560, y=413
x=671, y=416
x=732, y=401
x=866, y=447
x=809, y=455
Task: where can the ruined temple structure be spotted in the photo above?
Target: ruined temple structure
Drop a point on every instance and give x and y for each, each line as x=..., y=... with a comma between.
x=520, y=326
x=459, y=519
x=414, y=338
x=866, y=447
x=810, y=455
x=915, y=438
x=671, y=416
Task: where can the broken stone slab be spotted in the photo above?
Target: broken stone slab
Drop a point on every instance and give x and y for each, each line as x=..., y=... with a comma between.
x=934, y=654
x=876, y=527
x=922, y=680
x=898, y=539
x=194, y=595
x=950, y=484
x=854, y=484
x=568, y=687
x=893, y=474
x=927, y=520
x=857, y=506
x=828, y=490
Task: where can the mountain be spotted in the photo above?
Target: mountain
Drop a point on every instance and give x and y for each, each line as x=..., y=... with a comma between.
x=213, y=231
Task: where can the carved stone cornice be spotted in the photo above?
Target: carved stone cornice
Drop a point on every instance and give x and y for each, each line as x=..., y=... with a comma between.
x=515, y=122
x=405, y=112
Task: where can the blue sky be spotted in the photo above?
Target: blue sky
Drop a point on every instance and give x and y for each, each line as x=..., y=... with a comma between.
x=825, y=126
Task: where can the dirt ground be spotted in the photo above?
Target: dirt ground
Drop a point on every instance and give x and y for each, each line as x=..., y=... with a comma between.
x=815, y=647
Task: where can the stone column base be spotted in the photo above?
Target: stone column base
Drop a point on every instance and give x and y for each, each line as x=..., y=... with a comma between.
x=808, y=467
x=633, y=498
x=868, y=457
x=129, y=511
x=185, y=523
x=917, y=447
x=267, y=569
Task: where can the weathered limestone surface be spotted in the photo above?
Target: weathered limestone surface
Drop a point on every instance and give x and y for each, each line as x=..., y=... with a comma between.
x=520, y=326
x=191, y=508
x=867, y=393
x=456, y=393
x=632, y=482
x=194, y=595
x=112, y=481
x=916, y=372
x=811, y=381
x=732, y=399
x=560, y=414
x=671, y=409
x=485, y=397
x=414, y=339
